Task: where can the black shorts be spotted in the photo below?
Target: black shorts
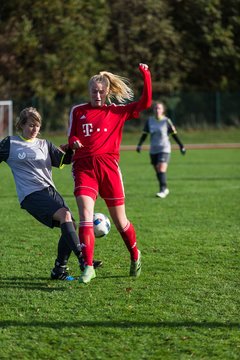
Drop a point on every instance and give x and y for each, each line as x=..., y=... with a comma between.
x=161, y=157
x=43, y=204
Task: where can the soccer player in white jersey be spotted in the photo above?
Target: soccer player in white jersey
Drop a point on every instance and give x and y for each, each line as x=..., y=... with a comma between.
x=160, y=127
x=31, y=160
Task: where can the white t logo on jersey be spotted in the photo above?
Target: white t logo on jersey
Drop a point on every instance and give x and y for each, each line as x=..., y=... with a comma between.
x=87, y=129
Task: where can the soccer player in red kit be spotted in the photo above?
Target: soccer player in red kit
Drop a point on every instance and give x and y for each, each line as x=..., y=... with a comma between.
x=95, y=133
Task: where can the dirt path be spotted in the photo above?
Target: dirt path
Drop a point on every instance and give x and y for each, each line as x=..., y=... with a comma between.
x=190, y=146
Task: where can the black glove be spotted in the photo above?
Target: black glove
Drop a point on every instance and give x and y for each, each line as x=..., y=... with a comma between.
x=183, y=150
x=138, y=148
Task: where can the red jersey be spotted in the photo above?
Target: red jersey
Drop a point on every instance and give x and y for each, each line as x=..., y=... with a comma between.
x=99, y=129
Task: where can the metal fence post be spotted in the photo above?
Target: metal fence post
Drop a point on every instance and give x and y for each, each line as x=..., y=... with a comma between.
x=218, y=109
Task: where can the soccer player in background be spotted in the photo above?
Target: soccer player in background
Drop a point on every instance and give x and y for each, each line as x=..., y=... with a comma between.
x=95, y=133
x=160, y=127
x=31, y=161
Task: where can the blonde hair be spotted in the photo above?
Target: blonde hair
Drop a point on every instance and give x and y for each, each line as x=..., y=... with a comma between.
x=28, y=113
x=117, y=86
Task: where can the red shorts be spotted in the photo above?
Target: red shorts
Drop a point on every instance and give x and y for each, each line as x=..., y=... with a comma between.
x=99, y=174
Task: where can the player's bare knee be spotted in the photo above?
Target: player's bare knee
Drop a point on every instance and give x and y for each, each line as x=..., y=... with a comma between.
x=63, y=215
x=68, y=216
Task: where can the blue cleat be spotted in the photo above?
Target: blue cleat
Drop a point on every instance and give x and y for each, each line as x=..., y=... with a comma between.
x=60, y=272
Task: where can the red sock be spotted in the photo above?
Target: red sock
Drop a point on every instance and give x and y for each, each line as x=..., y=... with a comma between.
x=129, y=236
x=87, y=239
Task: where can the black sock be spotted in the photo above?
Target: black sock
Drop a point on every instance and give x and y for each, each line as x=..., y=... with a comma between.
x=71, y=238
x=64, y=252
x=162, y=179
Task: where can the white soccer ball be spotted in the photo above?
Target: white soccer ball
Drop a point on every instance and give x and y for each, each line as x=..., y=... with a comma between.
x=101, y=225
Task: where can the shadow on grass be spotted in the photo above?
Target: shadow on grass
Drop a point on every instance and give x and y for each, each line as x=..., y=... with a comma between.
x=26, y=279
x=29, y=283
x=122, y=324
x=36, y=283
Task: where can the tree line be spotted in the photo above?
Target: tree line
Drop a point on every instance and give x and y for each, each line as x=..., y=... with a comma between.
x=50, y=48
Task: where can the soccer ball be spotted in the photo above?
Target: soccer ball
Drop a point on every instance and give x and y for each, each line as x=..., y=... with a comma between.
x=101, y=225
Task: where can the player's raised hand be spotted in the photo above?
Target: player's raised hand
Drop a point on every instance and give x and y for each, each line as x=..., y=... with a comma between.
x=143, y=67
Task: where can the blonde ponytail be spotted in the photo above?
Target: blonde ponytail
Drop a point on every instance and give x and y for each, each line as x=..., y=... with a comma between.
x=117, y=86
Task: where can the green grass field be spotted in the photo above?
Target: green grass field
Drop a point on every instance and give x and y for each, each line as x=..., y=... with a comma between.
x=186, y=303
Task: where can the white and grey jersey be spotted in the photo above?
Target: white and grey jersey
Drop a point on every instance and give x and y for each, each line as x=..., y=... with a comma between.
x=31, y=163
x=159, y=131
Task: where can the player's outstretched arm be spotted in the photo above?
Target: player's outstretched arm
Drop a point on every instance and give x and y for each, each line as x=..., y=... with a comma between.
x=68, y=153
x=146, y=98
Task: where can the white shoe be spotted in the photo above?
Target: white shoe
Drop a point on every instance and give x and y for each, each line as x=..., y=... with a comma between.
x=87, y=275
x=163, y=194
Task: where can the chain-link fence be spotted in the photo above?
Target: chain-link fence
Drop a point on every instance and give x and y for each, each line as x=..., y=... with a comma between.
x=194, y=110
x=199, y=110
